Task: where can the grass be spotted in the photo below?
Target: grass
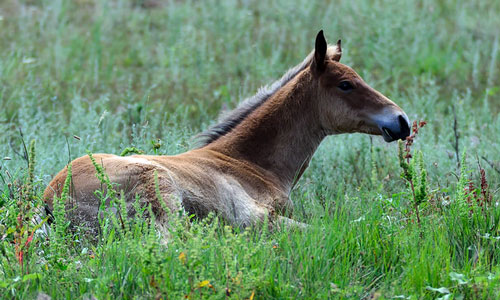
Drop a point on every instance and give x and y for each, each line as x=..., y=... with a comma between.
x=123, y=74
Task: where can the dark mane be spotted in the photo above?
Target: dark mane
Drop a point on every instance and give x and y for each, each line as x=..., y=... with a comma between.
x=229, y=120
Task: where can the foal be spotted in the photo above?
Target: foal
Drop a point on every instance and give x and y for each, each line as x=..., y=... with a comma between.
x=247, y=165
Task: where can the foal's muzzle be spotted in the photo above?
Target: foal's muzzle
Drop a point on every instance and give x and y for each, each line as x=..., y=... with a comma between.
x=395, y=128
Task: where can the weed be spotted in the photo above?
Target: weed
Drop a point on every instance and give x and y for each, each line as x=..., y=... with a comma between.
x=413, y=169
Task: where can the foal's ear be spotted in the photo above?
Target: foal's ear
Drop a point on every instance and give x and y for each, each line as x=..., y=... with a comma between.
x=318, y=64
x=338, y=52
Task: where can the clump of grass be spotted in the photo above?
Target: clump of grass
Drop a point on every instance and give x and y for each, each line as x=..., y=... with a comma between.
x=474, y=201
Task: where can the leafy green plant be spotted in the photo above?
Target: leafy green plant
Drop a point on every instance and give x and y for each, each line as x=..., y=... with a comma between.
x=23, y=235
x=130, y=150
x=413, y=169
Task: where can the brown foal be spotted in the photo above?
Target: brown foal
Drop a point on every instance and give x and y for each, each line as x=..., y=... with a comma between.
x=247, y=165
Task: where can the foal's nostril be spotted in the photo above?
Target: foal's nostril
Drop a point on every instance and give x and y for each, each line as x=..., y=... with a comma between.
x=404, y=126
x=402, y=121
x=394, y=127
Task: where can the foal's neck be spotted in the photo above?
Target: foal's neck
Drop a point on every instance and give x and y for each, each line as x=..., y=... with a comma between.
x=281, y=135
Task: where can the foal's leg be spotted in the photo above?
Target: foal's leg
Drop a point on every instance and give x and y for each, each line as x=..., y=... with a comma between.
x=276, y=221
x=287, y=223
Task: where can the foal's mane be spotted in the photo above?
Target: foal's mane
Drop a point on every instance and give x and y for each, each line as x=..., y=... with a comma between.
x=229, y=120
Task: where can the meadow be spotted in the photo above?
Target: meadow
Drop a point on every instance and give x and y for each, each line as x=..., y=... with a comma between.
x=126, y=75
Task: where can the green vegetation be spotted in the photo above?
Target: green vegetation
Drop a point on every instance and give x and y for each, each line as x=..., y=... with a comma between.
x=142, y=75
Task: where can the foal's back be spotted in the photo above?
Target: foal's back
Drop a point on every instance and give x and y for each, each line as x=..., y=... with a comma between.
x=198, y=182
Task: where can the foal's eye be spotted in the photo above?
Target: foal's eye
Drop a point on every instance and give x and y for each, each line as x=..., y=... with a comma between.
x=345, y=86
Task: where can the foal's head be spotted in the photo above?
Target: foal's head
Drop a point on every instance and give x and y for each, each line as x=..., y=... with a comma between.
x=347, y=104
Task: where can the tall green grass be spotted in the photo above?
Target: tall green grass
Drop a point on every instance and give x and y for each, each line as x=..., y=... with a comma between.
x=120, y=74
